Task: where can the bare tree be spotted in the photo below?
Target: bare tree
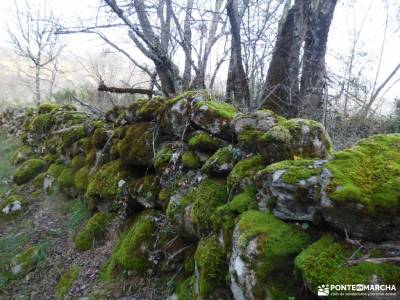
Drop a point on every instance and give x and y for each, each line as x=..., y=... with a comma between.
x=34, y=39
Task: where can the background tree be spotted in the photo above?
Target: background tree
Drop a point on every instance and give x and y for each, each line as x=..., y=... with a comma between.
x=34, y=39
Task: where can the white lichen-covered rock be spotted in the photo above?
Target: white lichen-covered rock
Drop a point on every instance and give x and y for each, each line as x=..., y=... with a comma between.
x=12, y=205
x=242, y=275
x=176, y=118
x=261, y=120
x=291, y=189
x=214, y=117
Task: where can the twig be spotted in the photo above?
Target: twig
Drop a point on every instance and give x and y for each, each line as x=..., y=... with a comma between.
x=93, y=109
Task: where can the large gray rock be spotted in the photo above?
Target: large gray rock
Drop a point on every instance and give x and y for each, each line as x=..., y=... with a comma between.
x=214, y=117
x=291, y=189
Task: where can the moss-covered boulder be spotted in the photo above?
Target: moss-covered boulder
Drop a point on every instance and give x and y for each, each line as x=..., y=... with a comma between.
x=66, y=179
x=29, y=170
x=190, y=160
x=211, y=268
x=193, y=211
x=294, y=139
x=176, y=115
x=243, y=173
x=137, y=146
x=48, y=107
x=261, y=265
x=215, y=117
x=138, y=250
x=41, y=125
x=261, y=120
x=205, y=142
x=222, y=161
x=81, y=179
x=145, y=190
x=164, y=156
x=327, y=262
x=291, y=189
x=93, y=232
x=26, y=261
x=361, y=188
x=66, y=281
x=249, y=127
x=22, y=154
x=103, y=186
x=99, y=138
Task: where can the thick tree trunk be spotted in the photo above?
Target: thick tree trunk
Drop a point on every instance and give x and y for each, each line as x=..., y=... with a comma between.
x=282, y=84
x=187, y=35
x=237, y=87
x=313, y=71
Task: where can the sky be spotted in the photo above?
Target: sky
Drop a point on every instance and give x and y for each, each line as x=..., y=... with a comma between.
x=345, y=20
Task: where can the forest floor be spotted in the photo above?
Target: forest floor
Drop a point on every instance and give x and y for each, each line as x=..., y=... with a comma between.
x=51, y=223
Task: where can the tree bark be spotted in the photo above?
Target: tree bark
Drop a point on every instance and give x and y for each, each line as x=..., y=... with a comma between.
x=313, y=71
x=37, y=84
x=281, y=89
x=237, y=87
x=187, y=44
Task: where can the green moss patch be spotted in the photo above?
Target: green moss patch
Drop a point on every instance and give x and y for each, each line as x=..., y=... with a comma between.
x=66, y=281
x=223, y=218
x=295, y=170
x=137, y=146
x=99, y=138
x=21, y=154
x=104, y=184
x=212, y=267
x=324, y=262
x=29, y=170
x=190, y=160
x=81, y=179
x=203, y=141
x=277, y=243
x=368, y=173
x=163, y=157
x=93, y=232
x=46, y=108
x=132, y=251
x=221, y=109
x=245, y=169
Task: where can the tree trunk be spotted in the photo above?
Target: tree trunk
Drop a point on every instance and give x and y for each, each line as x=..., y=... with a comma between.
x=187, y=44
x=281, y=88
x=37, y=84
x=237, y=87
x=313, y=71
